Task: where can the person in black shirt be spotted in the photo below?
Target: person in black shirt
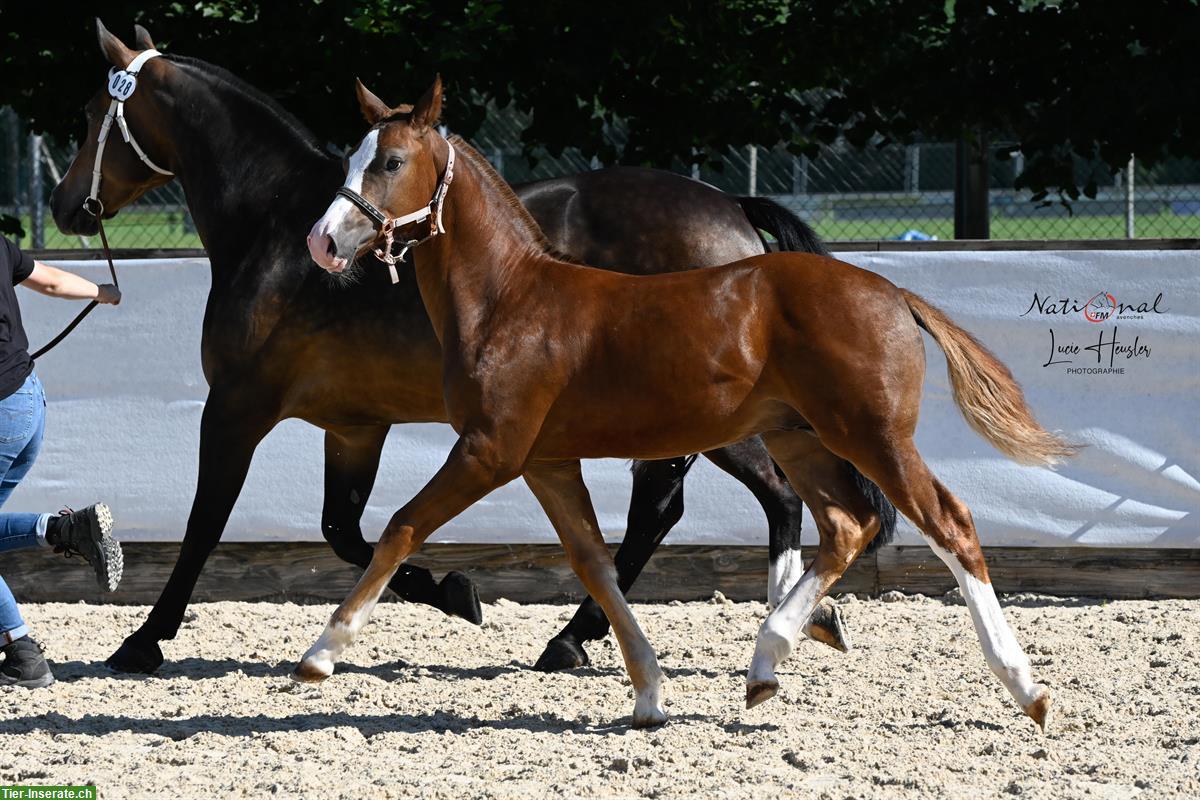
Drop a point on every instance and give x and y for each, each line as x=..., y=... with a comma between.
x=22, y=418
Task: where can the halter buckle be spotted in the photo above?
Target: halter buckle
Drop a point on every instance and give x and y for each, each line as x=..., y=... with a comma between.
x=88, y=202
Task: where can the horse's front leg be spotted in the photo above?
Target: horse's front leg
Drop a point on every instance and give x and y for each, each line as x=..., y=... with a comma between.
x=233, y=424
x=560, y=489
x=655, y=505
x=351, y=464
x=475, y=467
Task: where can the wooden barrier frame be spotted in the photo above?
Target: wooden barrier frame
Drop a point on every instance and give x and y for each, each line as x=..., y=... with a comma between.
x=538, y=573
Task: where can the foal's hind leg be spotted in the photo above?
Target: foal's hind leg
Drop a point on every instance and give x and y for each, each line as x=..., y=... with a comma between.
x=948, y=528
x=351, y=463
x=749, y=462
x=560, y=489
x=846, y=523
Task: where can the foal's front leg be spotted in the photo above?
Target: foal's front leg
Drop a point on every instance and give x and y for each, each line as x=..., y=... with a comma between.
x=560, y=489
x=471, y=471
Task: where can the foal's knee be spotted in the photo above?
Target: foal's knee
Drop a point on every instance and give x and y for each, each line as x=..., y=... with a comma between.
x=396, y=541
x=593, y=564
x=489, y=463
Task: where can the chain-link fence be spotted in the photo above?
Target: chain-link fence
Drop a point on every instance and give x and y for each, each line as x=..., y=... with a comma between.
x=846, y=193
x=160, y=220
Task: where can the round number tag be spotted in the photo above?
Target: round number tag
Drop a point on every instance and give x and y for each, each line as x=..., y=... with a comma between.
x=121, y=84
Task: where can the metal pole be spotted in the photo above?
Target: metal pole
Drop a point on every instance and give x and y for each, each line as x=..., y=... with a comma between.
x=912, y=172
x=498, y=161
x=971, y=189
x=37, y=203
x=1129, y=209
x=13, y=123
x=800, y=175
x=57, y=177
x=753, y=170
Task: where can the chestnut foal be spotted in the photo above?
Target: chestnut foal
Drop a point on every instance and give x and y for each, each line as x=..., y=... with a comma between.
x=548, y=362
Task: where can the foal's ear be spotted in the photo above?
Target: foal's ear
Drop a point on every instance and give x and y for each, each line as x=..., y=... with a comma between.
x=428, y=109
x=373, y=109
x=141, y=38
x=113, y=48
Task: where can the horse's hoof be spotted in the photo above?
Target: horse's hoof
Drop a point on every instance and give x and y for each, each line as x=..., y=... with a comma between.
x=827, y=627
x=458, y=598
x=562, y=654
x=1039, y=709
x=650, y=718
x=760, y=691
x=136, y=655
x=308, y=672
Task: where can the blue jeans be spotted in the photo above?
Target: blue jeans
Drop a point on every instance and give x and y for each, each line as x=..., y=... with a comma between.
x=22, y=421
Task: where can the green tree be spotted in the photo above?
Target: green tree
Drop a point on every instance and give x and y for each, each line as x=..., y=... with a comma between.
x=1089, y=78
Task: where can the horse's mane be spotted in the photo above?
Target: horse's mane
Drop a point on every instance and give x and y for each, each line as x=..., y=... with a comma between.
x=498, y=184
x=258, y=97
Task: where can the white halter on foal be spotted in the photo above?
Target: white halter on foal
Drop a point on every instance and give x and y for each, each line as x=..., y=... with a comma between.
x=121, y=85
x=432, y=211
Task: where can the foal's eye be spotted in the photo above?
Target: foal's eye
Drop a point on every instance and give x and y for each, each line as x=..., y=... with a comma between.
x=393, y=164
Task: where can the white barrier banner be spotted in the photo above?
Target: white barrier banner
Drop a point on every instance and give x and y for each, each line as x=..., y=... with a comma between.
x=1105, y=343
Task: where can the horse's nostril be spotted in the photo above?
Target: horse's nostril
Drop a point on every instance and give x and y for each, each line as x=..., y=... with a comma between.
x=332, y=248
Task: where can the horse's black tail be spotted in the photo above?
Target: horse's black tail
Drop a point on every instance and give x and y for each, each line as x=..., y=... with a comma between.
x=882, y=506
x=795, y=235
x=792, y=233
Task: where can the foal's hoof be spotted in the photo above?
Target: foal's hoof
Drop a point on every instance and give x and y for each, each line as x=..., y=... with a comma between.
x=1039, y=709
x=649, y=717
x=136, y=655
x=458, y=598
x=561, y=654
x=309, y=672
x=827, y=627
x=760, y=691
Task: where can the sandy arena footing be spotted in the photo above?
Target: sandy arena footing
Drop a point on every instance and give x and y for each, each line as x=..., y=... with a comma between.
x=428, y=706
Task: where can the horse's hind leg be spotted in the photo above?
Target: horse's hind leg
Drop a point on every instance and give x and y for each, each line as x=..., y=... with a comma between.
x=351, y=464
x=947, y=526
x=749, y=462
x=655, y=505
x=846, y=523
x=560, y=489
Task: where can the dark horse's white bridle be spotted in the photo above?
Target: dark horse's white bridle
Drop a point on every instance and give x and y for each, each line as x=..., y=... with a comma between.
x=121, y=85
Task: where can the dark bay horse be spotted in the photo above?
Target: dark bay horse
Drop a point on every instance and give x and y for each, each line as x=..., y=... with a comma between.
x=546, y=362
x=255, y=179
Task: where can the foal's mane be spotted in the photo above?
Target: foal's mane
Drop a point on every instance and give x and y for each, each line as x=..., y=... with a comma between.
x=493, y=180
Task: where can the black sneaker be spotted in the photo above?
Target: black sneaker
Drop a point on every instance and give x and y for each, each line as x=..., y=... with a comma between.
x=24, y=665
x=88, y=533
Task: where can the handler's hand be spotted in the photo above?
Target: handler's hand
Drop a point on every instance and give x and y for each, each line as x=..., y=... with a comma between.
x=108, y=294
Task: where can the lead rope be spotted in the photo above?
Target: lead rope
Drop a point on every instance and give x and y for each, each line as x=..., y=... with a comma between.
x=112, y=269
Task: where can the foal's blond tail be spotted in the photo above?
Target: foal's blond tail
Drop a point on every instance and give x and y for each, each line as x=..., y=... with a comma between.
x=986, y=392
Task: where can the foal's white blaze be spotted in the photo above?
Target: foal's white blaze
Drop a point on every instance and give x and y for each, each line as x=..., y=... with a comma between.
x=335, y=216
x=1005, y=657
